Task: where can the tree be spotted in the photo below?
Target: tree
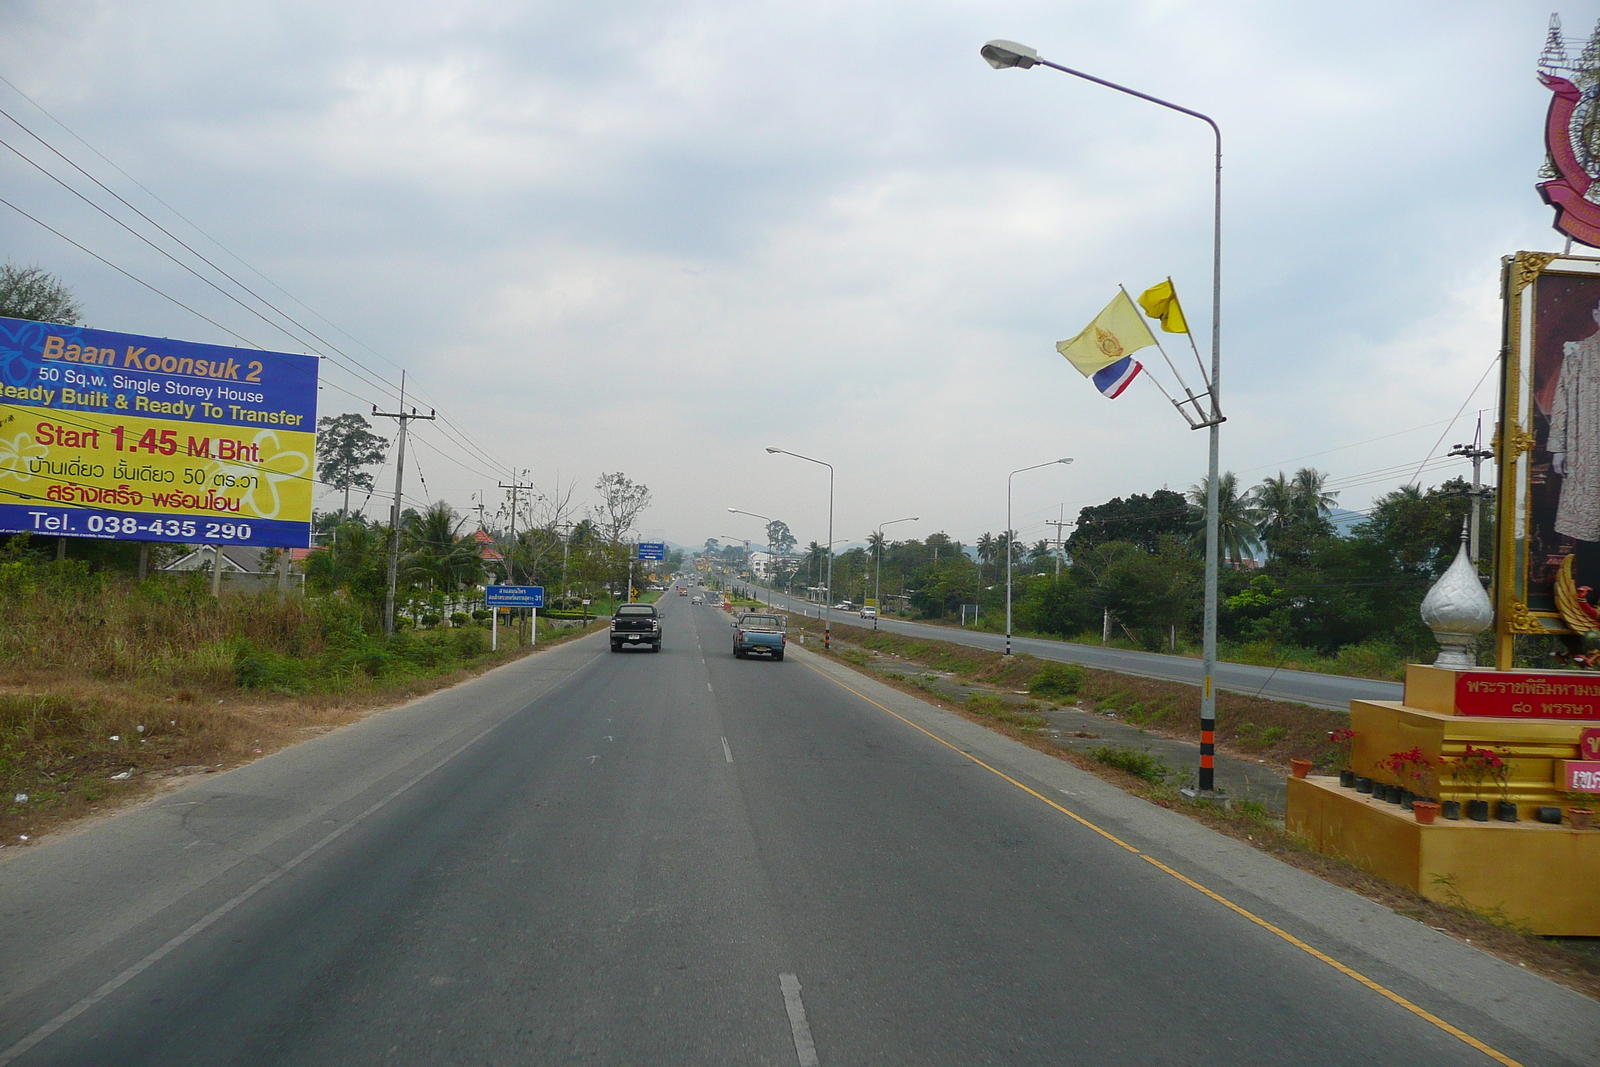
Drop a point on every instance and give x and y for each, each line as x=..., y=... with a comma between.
x=346, y=445
x=1292, y=513
x=1139, y=520
x=988, y=551
x=436, y=556
x=1237, y=537
x=32, y=293
x=622, y=500
x=779, y=537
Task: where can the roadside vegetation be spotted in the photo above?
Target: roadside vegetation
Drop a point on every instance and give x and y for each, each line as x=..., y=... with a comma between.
x=1296, y=591
x=108, y=684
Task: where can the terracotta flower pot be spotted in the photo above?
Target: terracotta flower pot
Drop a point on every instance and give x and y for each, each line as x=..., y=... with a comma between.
x=1581, y=818
x=1425, y=811
x=1300, y=767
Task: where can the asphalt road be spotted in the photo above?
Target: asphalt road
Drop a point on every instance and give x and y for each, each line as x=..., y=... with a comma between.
x=683, y=858
x=1304, y=687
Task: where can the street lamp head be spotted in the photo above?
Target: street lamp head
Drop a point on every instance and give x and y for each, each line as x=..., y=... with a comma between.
x=1003, y=54
x=733, y=509
x=1067, y=460
x=774, y=451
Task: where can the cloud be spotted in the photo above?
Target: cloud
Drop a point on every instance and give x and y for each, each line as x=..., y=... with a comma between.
x=830, y=226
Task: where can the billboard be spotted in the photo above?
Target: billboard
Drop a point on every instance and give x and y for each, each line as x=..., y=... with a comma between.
x=113, y=435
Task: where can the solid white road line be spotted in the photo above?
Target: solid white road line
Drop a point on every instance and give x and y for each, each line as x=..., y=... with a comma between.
x=726, y=751
x=804, y=1049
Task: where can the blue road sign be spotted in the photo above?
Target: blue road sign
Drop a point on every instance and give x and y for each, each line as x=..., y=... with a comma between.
x=652, y=550
x=514, y=596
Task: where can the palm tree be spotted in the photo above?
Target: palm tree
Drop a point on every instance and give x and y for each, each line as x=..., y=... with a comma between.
x=1237, y=517
x=988, y=551
x=435, y=555
x=1311, y=496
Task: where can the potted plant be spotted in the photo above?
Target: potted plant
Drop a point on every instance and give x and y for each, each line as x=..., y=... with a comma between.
x=1300, y=767
x=1580, y=810
x=1476, y=765
x=1340, y=740
x=1451, y=809
x=1414, y=770
x=1500, y=770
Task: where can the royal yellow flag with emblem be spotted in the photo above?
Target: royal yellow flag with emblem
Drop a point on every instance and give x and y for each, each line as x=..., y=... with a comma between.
x=1160, y=301
x=1116, y=333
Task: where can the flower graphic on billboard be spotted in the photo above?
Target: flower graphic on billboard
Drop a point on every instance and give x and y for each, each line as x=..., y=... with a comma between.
x=258, y=482
x=15, y=454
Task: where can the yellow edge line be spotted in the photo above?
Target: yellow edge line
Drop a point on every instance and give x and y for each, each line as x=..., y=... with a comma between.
x=1417, y=1010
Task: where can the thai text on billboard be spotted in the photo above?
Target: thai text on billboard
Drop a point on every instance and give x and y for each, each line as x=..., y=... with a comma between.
x=113, y=435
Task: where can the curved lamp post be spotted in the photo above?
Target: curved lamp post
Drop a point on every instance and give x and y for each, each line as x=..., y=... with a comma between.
x=827, y=605
x=877, y=578
x=1011, y=549
x=769, y=520
x=1002, y=55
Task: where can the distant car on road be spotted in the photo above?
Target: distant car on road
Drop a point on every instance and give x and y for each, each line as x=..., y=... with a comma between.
x=869, y=613
x=634, y=625
x=683, y=590
x=697, y=599
x=756, y=632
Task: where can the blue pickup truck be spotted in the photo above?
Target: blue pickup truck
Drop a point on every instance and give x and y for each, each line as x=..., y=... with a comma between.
x=754, y=632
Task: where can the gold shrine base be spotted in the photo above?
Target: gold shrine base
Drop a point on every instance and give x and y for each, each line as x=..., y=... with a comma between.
x=1542, y=875
x=1547, y=877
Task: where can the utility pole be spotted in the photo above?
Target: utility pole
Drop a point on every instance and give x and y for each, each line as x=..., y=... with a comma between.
x=404, y=418
x=1477, y=453
x=1061, y=543
x=515, y=487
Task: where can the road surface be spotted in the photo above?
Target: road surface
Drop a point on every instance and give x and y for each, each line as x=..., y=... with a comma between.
x=1302, y=687
x=683, y=858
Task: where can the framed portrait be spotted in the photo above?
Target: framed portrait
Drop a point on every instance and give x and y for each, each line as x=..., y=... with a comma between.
x=1547, y=537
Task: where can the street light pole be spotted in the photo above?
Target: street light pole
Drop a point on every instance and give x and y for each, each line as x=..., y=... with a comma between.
x=877, y=579
x=769, y=522
x=827, y=605
x=1011, y=549
x=1004, y=54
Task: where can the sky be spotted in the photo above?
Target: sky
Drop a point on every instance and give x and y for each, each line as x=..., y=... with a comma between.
x=659, y=237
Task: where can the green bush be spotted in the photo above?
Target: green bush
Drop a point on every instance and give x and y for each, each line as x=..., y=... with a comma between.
x=1059, y=680
x=1137, y=762
x=459, y=618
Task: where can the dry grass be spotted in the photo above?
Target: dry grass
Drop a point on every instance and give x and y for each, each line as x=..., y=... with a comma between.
x=101, y=677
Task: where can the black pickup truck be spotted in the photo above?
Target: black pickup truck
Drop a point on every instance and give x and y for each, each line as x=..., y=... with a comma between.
x=634, y=625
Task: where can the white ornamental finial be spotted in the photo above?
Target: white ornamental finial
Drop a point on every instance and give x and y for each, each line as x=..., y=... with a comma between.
x=1457, y=610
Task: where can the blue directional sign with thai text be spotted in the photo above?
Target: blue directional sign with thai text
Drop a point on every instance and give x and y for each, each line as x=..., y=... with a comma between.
x=514, y=596
x=652, y=550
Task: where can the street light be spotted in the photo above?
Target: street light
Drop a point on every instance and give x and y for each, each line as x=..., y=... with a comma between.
x=1011, y=549
x=827, y=604
x=769, y=521
x=1003, y=54
x=877, y=579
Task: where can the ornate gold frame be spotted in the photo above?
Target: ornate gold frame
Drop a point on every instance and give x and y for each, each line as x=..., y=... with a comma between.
x=1513, y=441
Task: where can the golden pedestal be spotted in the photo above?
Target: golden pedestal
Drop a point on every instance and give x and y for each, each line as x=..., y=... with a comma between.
x=1546, y=876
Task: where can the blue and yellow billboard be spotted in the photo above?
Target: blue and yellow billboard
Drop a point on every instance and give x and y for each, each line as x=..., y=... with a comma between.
x=113, y=435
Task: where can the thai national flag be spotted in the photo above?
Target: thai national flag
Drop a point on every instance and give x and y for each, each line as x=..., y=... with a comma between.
x=1114, y=379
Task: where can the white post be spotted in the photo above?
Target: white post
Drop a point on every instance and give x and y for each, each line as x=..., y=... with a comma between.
x=533, y=626
x=494, y=629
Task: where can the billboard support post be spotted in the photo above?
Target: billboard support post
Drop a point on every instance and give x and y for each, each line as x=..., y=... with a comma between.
x=403, y=417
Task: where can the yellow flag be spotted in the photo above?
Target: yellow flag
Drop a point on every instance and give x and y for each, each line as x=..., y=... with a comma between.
x=1115, y=333
x=1160, y=301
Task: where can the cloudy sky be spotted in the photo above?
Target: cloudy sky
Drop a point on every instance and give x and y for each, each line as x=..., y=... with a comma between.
x=655, y=237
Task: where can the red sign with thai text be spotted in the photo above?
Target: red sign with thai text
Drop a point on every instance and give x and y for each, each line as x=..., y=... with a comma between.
x=1589, y=744
x=1528, y=695
x=1582, y=775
